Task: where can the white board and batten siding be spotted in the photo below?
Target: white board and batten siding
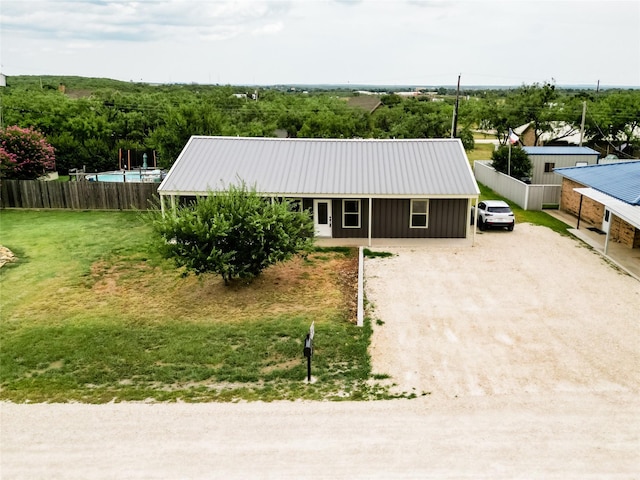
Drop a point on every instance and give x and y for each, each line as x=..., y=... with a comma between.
x=557, y=157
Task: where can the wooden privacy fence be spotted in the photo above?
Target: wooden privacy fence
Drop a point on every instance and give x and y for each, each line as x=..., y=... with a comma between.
x=77, y=195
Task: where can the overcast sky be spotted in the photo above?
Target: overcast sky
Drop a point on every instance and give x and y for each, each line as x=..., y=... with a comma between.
x=378, y=42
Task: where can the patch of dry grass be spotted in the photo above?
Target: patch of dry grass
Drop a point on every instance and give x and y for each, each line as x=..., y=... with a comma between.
x=93, y=317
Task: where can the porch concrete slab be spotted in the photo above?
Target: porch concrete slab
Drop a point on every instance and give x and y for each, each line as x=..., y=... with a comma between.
x=394, y=242
x=627, y=259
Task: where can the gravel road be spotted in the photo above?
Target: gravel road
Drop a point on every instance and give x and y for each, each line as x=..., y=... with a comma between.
x=525, y=347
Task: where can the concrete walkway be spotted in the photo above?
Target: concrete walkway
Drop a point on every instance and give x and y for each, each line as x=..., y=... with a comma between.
x=627, y=259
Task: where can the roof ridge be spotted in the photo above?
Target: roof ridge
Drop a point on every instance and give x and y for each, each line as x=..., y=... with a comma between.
x=303, y=139
x=608, y=164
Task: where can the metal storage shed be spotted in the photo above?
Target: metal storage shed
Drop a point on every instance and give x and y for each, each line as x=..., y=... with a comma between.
x=546, y=159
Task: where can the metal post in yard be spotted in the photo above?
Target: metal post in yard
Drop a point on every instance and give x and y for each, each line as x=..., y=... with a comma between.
x=308, y=349
x=308, y=352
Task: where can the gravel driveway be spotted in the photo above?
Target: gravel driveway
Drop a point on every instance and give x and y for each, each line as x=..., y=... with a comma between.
x=527, y=343
x=526, y=311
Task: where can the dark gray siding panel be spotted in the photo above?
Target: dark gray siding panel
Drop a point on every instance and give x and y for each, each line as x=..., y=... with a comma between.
x=339, y=232
x=447, y=219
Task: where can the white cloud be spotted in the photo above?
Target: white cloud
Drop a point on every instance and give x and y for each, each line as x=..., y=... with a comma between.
x=426, y=42
x=137, y=21
x=269, y=29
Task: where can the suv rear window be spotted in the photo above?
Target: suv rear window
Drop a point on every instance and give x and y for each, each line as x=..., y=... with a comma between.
x=499, y=209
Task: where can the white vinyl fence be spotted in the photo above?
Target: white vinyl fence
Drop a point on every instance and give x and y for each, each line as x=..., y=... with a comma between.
x=528, y=197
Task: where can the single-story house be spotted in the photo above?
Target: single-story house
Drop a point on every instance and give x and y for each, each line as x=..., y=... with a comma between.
x=606, y=196
x=546, y=159
x=561, y=134
x=355, y=188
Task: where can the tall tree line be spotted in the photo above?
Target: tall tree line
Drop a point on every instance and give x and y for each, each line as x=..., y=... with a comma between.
x=89, y=121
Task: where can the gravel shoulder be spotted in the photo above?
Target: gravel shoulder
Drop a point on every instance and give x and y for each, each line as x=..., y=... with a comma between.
x=527, y=344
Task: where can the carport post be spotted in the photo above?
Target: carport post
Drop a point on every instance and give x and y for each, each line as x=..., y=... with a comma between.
x=370, y=217
x=579, y=211
x=606, y=238
x=475, y=222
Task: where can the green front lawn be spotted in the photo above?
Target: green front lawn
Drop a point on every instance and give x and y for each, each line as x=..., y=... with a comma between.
x=91, y=313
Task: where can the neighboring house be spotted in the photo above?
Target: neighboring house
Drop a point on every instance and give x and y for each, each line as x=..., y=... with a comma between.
x=368, y=103
x=365, y=189
x=3, y=80
x=546, y=159
x=606, y=196
x=561, y=134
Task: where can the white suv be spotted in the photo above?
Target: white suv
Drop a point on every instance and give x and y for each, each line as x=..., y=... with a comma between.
x=495, y=213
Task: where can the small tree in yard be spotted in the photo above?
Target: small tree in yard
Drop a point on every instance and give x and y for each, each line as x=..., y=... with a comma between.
x=521, y=165
x=24, y=154
x=235, y=233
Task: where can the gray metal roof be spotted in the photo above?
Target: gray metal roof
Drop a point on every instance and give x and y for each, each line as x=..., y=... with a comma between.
x=551, y=150
x=618, y=180
x=327, y=167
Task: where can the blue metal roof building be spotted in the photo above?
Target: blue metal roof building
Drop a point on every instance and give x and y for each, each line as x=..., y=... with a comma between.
x=618, y=180
x=612, y=191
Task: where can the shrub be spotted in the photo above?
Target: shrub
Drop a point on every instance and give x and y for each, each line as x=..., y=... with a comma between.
x=521, y=165
x=235, y=233
x=24, y=154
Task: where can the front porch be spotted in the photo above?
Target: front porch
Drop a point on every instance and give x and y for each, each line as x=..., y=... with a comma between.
x=627, y=259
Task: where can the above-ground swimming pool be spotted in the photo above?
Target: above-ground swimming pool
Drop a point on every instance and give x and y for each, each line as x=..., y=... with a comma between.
x=133, y=176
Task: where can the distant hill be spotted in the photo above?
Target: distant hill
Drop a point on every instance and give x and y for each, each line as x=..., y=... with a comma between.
x=53, y=82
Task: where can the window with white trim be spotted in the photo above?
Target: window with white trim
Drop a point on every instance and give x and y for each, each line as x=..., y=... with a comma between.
x=350, y=213
x=419, y=213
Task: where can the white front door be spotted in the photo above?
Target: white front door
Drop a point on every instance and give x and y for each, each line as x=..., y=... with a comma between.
x=606, y=220
x=322, y=217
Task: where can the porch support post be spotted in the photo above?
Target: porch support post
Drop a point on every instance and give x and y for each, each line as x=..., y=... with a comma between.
x=162, y=204
x=579, y=212
x=606, y=239
x=173, y=202
x=475, y=223
x=370, y=219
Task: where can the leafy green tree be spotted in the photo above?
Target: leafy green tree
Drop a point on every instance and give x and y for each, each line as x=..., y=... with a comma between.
x=614, y=119
x=412, y=118
x=520, y=165
x=535, y=104
x=466, y=136
x=25, y=154
x=235, y=233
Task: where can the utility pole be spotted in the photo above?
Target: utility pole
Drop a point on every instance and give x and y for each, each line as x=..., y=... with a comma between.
x=454, y=125
x=584, y=114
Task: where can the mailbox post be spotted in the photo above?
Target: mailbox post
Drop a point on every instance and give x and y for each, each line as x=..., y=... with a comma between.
x=308, y=349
